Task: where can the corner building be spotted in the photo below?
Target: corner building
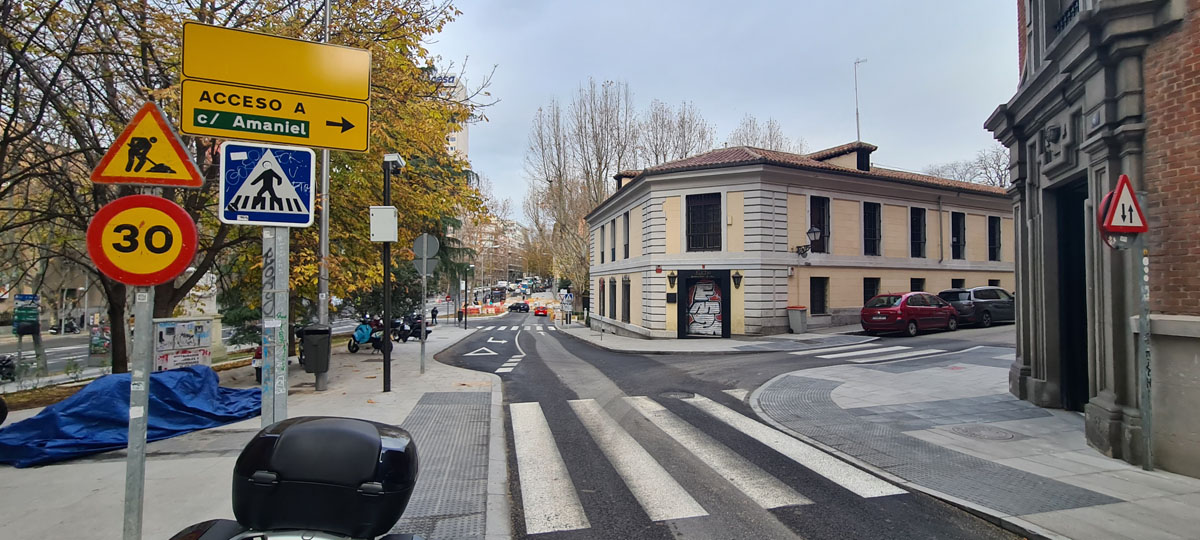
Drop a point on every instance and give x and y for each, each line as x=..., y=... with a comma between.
x=707, y=246
x=1108, y=88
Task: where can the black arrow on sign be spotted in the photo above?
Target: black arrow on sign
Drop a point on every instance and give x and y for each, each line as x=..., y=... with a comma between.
x=344, y=124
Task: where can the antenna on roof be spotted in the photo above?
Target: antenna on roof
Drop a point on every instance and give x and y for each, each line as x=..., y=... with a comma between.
x=857, y=124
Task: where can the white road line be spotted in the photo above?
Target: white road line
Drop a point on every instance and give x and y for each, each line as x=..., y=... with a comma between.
x=538, y=328
x=762, y=488
x=659, y=494
x=551, y=328
x=738, y=393
x=511, y=364
x=860, y=353
x=503, y=370
x=833, y=349
x=836, y=470
x=905, y=354
x=547, y=493
x=497, y=328
x=517, y=342
x=487, y=328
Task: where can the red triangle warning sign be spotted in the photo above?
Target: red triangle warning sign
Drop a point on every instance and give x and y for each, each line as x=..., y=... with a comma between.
x=148, y=152
x=1124, y=213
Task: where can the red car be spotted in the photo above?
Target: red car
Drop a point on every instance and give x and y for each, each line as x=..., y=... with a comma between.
x=540, y=311
x=908, y=312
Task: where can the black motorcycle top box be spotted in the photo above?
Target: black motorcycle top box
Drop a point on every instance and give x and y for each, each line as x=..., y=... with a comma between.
x=340, y=475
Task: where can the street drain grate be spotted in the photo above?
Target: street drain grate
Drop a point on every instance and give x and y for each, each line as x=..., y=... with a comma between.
x=987, y=433
x=678, y=395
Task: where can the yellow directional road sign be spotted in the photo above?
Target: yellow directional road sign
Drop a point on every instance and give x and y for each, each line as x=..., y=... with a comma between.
x=250, y=58
x=237, y=112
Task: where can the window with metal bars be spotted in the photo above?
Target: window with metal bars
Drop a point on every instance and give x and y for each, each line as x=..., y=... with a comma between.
x=993, y=238
x=819, y=218
x=958, y=235
x=872, y=228
x=625, y=293
x=704, y=222
x=916, y=230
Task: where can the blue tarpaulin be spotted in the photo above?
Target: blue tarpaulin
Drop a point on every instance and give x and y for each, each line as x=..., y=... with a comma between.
x=96, y=419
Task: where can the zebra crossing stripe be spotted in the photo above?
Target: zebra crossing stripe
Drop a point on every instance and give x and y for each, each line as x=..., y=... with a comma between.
x=504, y=370
x=836, y=470
x=897, y=356
x=551, y=328
x=500, y=328
x=762, y=488
x=487, y=328
x=547, y=493
x=538, y=328
x=860, y=353
x=738, y=393
x=833, y=349
x=659, y=494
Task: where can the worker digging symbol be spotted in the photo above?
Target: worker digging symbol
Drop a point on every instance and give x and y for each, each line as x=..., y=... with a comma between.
x=269, y=178
x=139, y=148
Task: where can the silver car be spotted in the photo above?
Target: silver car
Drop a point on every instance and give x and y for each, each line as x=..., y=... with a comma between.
x=981, y=305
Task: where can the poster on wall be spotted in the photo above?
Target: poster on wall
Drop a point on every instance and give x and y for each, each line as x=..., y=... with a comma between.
x=182, y=358
x=704, y=309
x=182, y=342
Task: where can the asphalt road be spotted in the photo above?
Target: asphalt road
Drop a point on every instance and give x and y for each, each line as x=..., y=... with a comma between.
x=605, y=445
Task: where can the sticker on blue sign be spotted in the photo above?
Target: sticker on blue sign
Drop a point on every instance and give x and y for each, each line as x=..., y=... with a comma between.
x=266, y=184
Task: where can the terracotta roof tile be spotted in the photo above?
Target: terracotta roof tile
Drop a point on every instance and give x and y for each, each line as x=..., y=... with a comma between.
x=821, y=155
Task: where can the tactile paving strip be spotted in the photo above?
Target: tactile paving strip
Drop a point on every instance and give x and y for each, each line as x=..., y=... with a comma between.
x=450, y=499
x=806, y=406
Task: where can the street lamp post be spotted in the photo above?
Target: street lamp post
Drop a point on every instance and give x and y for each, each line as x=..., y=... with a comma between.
x=392, y=163
x=467, y=293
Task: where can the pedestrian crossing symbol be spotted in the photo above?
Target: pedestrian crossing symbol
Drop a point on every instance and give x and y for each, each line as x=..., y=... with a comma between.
x=265, y=184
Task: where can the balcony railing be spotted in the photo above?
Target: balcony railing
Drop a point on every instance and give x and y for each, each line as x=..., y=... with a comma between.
x=1068, y=15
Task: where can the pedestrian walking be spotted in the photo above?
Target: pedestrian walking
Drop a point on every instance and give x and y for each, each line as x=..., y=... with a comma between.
x=433, y=315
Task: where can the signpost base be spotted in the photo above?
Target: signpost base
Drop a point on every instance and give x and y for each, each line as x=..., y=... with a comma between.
x=274, y=324
x=140, y=365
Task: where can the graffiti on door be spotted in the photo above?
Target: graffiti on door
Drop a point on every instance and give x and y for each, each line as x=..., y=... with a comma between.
x=704, y=308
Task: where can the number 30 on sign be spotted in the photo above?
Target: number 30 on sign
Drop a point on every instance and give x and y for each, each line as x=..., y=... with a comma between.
x=142, y=240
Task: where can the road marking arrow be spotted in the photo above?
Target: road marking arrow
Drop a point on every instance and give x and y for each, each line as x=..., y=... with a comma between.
x=494, y=340
x=344, y=124
x=482, y=351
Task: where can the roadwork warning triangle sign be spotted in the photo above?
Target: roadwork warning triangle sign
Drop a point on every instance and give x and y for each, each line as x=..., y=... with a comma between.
x=148, y=152
x=1124, y=214
x=268, y=190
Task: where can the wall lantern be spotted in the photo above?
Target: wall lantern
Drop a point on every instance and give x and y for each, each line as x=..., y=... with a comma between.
x=737, y=279
x=658, y=269
x=814, y=234
x=671, y=278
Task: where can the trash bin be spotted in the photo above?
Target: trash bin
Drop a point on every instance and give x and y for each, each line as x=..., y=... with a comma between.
x=314, y=346
x=798, y=319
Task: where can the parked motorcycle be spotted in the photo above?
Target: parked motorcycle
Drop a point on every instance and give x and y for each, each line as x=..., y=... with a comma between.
x=69, y=326
x=8, y=367
x=319, y=478
x=408, y=327
x=369, y=331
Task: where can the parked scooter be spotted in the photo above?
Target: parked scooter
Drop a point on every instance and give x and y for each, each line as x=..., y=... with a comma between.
x=69, y=326
x=369, y=331
x=408, y=327
x=319, y=478
x=8, y=367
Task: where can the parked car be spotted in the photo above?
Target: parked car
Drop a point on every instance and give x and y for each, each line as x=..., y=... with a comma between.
x=519, y=307
x=981, y=305
x=908, y=312
x=540, y=311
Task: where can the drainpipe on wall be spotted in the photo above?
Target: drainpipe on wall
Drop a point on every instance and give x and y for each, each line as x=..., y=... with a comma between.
x=941, y=233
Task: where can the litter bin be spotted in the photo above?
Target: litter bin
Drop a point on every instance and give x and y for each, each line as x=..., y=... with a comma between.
x=314, y=347
x=798, y=319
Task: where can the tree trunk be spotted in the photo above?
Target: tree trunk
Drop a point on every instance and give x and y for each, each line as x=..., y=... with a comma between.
x=118, y=325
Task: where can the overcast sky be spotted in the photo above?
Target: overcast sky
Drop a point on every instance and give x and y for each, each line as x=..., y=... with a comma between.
x=935, y=69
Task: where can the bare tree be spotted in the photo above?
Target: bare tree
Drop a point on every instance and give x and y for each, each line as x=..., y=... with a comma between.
x=693, y=134
x=659, y=135
x=602, y=135
x=988, y=167
x=962, y=170
x=769, y=136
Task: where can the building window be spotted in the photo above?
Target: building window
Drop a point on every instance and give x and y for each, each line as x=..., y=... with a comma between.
x=600, y=297
x=958, y=235
x=612, y=230
x=625, y=299
x=626, y=235
x=704, y=222
x=601, y=235
x=612, y=297
x=958, y=283
x=819, y=217
x=993, y=238
x=870, y=288
x=818, y=292
x=993, y=283
x=872, y=228
x=916, y=284
x=916, y=228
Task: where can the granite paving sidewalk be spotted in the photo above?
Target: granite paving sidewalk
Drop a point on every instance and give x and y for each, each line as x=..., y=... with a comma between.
x=947, y=426
x=454, y=415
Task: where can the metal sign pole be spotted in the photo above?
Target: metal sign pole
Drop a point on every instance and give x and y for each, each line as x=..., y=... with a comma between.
x=1143, y=356
x=424, y=293
x=139, y=400
x=386, y=339
x=274, y=324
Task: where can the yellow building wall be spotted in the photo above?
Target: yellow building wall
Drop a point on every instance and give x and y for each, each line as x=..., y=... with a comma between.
x=847, y=227
x=672, y=309
x=596, y=245
x=977, y=242
x=674, y=224
x=737, y=307
x=1007, y=241
x=635, y=297
x=946, y=251
x=797, y=221
x=895, y=231
x=635, y=231
x=735, y=209
x=846, y=284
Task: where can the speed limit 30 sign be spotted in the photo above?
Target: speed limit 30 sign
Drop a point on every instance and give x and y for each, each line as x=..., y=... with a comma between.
x=142, y=240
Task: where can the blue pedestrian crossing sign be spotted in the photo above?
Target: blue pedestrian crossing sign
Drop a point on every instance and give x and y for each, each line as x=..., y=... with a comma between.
x=266, y=184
